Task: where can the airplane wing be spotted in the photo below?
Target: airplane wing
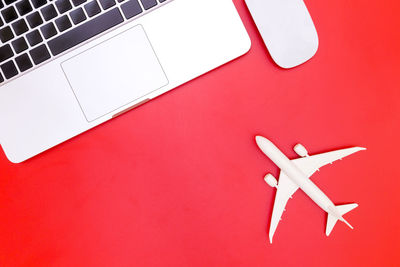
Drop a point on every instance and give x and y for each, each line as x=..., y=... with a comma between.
x=286, y=188
x=309, y=165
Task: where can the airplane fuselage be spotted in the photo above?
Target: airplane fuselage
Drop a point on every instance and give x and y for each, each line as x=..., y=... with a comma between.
x=297, y=176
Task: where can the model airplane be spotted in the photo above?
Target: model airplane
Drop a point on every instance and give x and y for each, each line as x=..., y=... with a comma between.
x=295, y=174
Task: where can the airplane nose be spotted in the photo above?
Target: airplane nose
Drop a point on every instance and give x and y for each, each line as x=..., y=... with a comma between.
x=262, y=141
x=265, y=145
x=259, y=139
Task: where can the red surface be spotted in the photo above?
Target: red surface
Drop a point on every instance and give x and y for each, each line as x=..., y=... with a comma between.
x=179, y=181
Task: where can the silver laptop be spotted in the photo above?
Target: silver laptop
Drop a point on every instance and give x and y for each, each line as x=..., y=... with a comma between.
x=69, y=65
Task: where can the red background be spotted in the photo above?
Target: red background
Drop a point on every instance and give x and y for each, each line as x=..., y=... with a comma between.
x=179, y=181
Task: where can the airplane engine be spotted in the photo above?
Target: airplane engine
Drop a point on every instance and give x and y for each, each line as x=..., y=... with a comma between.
x=271, y=180
x=300, y=150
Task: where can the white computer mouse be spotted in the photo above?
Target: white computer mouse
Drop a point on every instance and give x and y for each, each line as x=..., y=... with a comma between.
x=287, y=30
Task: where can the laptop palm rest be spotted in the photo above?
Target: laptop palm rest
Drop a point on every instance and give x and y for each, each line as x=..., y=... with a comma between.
x=119, y=71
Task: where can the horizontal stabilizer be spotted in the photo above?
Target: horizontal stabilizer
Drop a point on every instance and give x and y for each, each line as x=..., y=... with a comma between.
x=332, y=219
x=343, y=209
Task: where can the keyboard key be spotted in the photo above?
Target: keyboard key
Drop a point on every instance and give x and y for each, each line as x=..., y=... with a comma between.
x=63, y=6
x=78, y=2
x=77, y=16
x=48, y=30
x=34, y=20
x=63, y=23
x=24, y=7
x=9, y=69
x=20, y=27
x=9, y=2
x=1, y=21
x=92, y=8
x=1, y=4
x=38, y=3
x=106, y=4
x=9, y=14
x=19, y=45
x=34, y=38
x=161, y=1
x=5, y=52
x=23, y=62
x=131, y=8
x=1, y=78
x=85, y=31
x=6, y=34
x=147, y=4
x=39, y=54
x=49, y=12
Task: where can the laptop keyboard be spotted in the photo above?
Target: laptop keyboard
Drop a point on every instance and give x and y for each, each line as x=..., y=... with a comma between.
x=32, y=32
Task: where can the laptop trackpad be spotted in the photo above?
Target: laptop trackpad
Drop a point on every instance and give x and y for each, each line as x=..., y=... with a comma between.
x=114, y=73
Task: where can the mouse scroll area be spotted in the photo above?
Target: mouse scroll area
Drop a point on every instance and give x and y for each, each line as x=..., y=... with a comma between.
x=287, y=30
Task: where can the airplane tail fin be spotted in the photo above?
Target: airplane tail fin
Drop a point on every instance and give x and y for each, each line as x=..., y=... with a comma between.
x=333, y=218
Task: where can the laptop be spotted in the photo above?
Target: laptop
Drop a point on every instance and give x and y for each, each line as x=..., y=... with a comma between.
x=67, y=66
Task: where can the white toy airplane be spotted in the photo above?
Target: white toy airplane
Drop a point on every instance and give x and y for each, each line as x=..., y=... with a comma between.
x=295, y=174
